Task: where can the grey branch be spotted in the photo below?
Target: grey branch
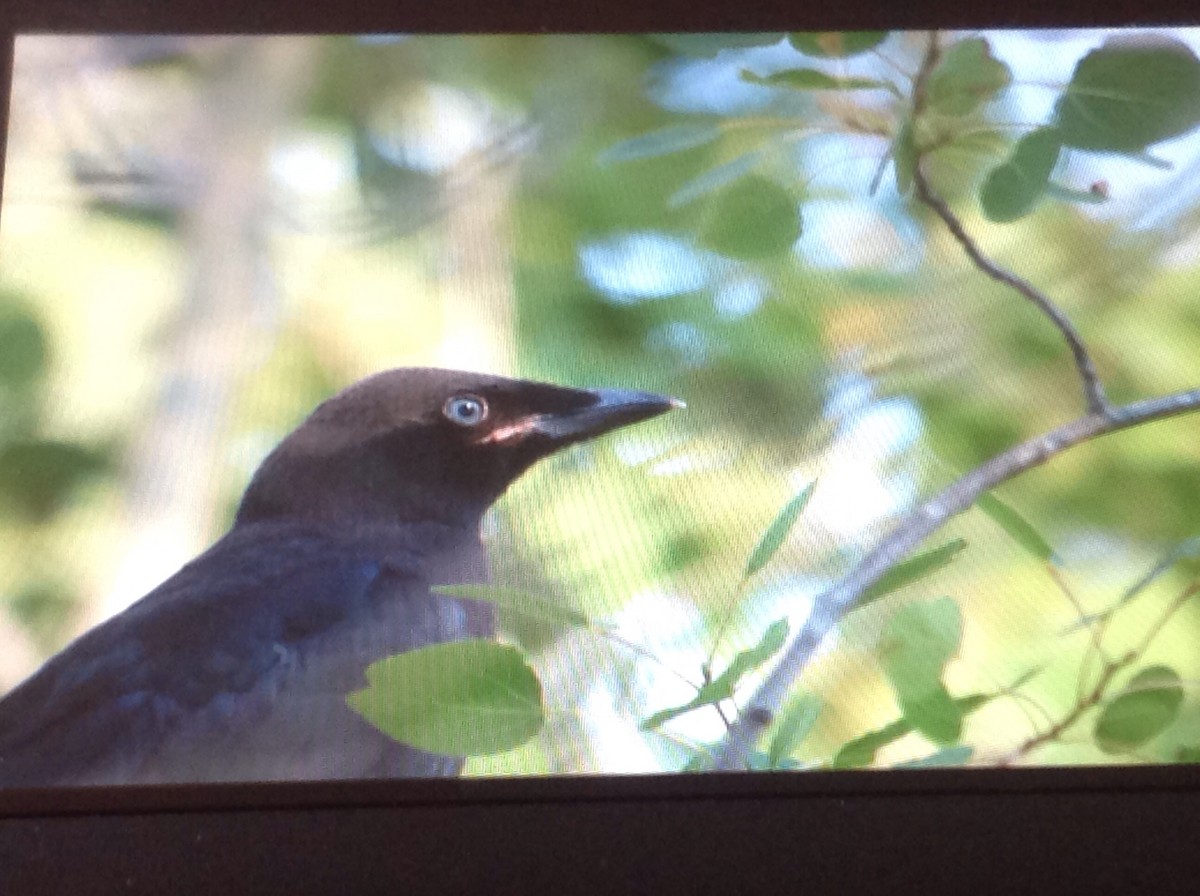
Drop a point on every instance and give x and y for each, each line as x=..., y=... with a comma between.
x=830, y=607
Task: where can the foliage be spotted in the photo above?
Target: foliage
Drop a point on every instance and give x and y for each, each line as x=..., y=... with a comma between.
x=461, y=698
x=730, y=218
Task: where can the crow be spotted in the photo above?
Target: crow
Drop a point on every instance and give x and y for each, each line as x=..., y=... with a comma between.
x=238, y=666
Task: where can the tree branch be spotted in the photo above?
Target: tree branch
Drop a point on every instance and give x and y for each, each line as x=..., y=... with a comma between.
x=1095, y=400
x=1101, y=418
x=1093, y=390
x=830, y=607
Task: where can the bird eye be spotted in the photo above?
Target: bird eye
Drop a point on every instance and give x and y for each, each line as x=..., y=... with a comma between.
x=465, y=410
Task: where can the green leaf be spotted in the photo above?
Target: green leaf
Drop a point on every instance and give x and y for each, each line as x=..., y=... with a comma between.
x=1013, y=188
x=967, y=76
x=714, y=179
x=1144, y=709
x=24, y=349
x=959, y=754
x=39, y=477
x=811, y=79
x=1018, y=528
x=723, y=686
x=1131, y=92
x=517, y=601
x=861, y=751
x=746, y=661
x=465, y=698
x=1188, y=754
x=778, y=531
x=709, y=45
x=914, y=649
x=912, y=570
x=660, y=143
x=753, y=218
x=904, y=155
x=660, y=718
x=836, y=44
x=792, y=727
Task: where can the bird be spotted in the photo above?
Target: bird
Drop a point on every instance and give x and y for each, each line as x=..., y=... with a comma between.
x=237, y=667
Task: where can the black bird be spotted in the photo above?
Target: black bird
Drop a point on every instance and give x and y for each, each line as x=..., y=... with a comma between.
x=237, y=667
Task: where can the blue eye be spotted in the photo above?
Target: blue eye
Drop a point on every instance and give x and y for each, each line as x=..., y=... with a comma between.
x=465, y=410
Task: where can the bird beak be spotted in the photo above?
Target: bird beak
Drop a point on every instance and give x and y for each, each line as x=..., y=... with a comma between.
x=612, y=408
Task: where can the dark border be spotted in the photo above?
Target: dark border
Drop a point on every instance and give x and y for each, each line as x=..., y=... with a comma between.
x=548, y=791
x=575, y=15
x=969, y=831
x=955, y=831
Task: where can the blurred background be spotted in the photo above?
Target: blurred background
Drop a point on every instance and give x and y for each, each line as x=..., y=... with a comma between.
x=203, y=237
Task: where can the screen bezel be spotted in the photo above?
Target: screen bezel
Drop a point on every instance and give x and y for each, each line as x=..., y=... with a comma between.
x=955, y=830
x=1002, y=828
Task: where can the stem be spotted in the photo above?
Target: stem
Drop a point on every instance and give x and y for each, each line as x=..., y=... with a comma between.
x=831, y=606
x=1093, y=390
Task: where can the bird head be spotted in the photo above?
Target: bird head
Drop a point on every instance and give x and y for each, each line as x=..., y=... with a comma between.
x=422, y=444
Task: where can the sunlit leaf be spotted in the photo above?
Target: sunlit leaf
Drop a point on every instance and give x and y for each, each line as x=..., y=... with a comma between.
x=811, y=79
x=1014, y=187
x=778, y=531
x=1144, y=709
x=913, y=570
x=915, y=646
x=904, y=157
x=465, y=698
x=517, y=601
x=24, y=350
x=752, y=218
x=967, y=76
x=1018, y=528
x=714, y=179
x=861, y=751
x=723, y=686
x=663, y=716
x=836, y=44
x=792, y=727
x=660, y=143
x=746, y=661
x=1132, y=91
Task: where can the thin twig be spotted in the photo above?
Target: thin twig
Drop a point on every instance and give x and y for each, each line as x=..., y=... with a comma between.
x=1108, y=671
x=1055, y=731
x=918, y=525
x=1101, y=418
x=1095, y=400
x=1093, y=390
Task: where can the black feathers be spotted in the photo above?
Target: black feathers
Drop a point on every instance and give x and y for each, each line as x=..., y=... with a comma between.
x=237, y=667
